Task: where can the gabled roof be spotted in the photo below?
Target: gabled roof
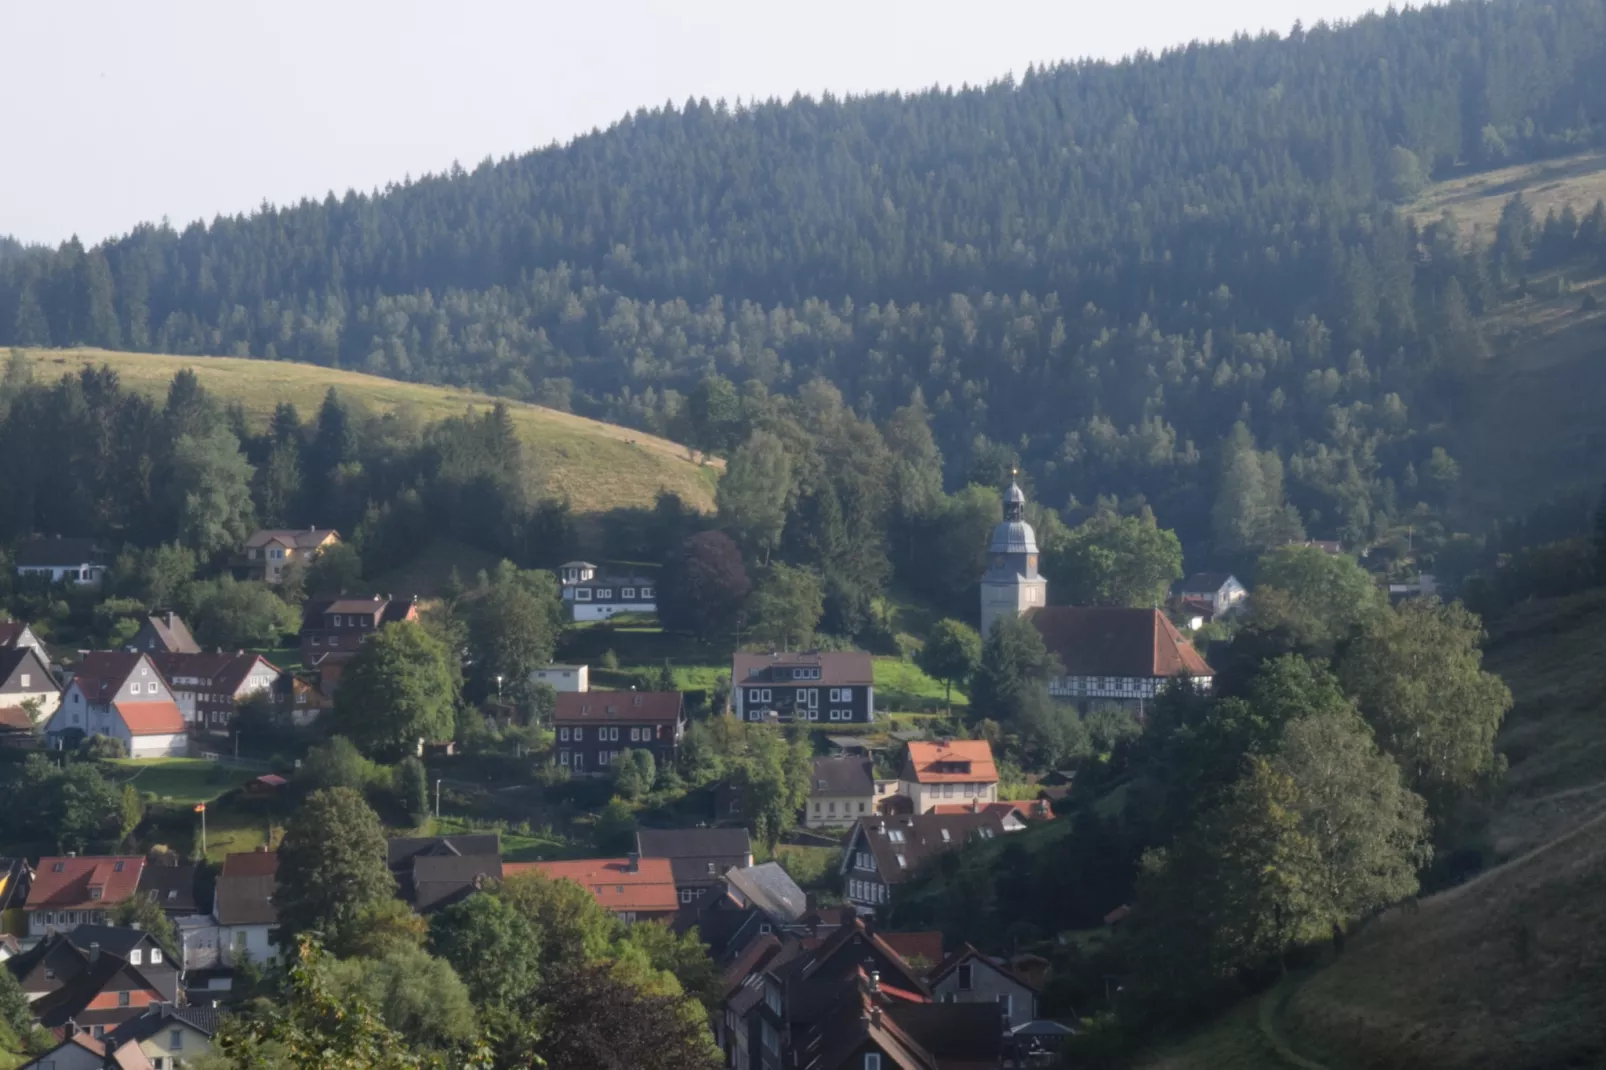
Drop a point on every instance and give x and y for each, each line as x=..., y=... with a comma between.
x=26, y=657
x=102, y=673
x=151, y=718
x=70, y=883
x=956, y=1034
x=697, y=856
x=853, y=777
x=90, y=961
x=647, y=887
x=124, y=1056
x=401, y=850
x=1207, y=583
x=15, y=719
x=1109, y=641
x=42, y=553
x=586, y=707
x=204, y=1020
x=227, y=670
x=902, y=844
x=852, y=668
x=835, y=1039
x=771, y=889
x=11, y=632
x=173, y=633
x=968, y=953
x=300, y=538
x=955, y=761
x=245, y=889
x=437, y=881
x=170, y=887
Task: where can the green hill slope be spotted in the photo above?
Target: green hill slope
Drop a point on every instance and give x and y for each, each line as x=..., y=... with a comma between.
x=596, y=466
x=1509, y=969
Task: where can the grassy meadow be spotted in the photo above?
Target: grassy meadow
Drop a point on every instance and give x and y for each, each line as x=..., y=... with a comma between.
x=596, y=466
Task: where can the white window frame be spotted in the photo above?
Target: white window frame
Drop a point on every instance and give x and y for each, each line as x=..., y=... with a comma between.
x=582, y=594
x=563, y=735
x=579, y=734
x=605, y=594
x=563, y=757
x=646, y=593
x=628, y=594
x=872, y=1060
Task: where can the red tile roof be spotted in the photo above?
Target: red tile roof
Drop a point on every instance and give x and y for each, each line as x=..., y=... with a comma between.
x=69, y=887
x=15, y=719
x=151, y=718
x=971, y=760
x=1108, y=641
x=103, y=672
x=927, y=946
x=1031, y=810
x=649, y=888
x=251, y=864
x=586, y=707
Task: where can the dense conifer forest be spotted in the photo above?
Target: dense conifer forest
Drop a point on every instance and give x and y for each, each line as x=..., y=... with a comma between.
x=1165, y=280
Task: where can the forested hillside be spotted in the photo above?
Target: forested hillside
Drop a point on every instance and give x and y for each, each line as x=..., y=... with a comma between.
x=1099, y=268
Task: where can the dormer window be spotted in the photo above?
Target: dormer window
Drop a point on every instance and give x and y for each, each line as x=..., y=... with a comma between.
x=57, y=867
x=117, y=867
x=96, y=893
x=136, y=957
x=156, y=956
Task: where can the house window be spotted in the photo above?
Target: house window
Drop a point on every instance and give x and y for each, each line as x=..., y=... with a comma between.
x=872, y=1060
x=563, y=757
x=685, y=895
x=646, y=593
x=582, y=594
x=579, y=761
x=151, y=687
x=317, y=640
x=563, y=734
x=578, y=733
x=175, y=1040
x=337, y=620
x=967, y=976
x=95, y=893
x=1006, y=1001
x=135, y=957
x=604, y=594
x=602, y=757
x=861, y=808
x=628, y=594
x=814, y=715
x=27, y=680
x=133, y=688
x=156, y=952
x=122, y=999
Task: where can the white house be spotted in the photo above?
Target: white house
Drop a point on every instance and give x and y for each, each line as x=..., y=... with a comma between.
x=77, y=561
x=243, y=905
x=122, y=695
x=563, y=677
x=602, y=598
x=27, y=684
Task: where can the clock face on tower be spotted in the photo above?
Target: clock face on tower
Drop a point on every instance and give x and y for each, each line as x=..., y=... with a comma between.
x=1031, y=562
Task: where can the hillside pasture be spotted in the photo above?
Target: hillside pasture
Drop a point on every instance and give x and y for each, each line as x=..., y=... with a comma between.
x=596, y=466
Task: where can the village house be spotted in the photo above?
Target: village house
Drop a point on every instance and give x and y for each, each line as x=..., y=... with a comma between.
x=170, y=887
x=333, y=629
x=171, y=1037
x=1211, y=595
x=698, y=858
x=210, y=687
x=29, y=694
x=15, y=634
x=843, y=789
x=95, y=977
x=968, y=976
x=164, y=633
x=883, y=852
x=594, y=727
x=951, y=771
x=242, y=905
x=433, y=872
x=71, y=891
x=602, y=597
x=829, y=686
x=631, y=888
x=269, y=554
x=751, y=903
x=122, y=695
x=561, y=678
x=81, y=1051
x=79, y=562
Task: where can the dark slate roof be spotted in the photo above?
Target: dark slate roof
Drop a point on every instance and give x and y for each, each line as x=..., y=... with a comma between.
x=40, y=553
x=172, y=887
x=593, y=707
x=226, y=671
x=246, y=887
x=843, y=776
x=1110, y=641
x=697, y=856
x=401, y=850
x=10, y=632
x=771, y=889
x=438, y=881
x=162, y=1016
x=960, y=1032
x=1205, y=582
x=902, y=844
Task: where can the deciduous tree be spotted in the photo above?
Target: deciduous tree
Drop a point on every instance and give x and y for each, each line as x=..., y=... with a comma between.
x=397, y=691
x=331, y=866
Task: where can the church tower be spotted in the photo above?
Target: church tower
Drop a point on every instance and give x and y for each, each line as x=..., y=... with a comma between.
x=1011, y=585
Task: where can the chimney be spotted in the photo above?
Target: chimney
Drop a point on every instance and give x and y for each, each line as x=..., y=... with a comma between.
x=875, y=980
x=170, y=618
x=632, y=862
x=312, y=528
x=94, y=953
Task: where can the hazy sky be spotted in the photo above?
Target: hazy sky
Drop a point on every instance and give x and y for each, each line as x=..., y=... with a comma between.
x=115, y=113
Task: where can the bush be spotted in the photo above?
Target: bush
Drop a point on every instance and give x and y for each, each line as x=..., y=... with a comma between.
x=99, y=748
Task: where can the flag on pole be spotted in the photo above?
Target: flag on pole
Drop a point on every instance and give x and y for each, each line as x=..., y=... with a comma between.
x=200, y=808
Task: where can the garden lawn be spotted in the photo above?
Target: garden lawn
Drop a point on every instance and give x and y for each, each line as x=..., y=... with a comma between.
x=901, y=686
x=179, y=780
